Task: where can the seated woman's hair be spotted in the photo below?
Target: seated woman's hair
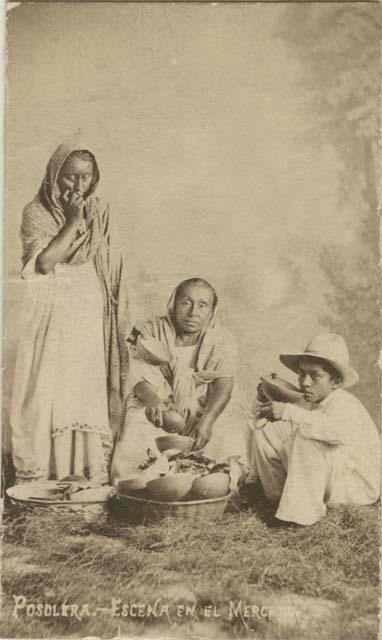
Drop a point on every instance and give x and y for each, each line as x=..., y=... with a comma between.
x=198, y=282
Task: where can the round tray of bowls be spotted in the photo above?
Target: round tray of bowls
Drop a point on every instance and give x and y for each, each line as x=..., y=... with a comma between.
x=90, y=503
x=183, y=495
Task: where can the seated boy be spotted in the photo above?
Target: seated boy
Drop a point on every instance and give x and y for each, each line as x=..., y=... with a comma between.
x=307, y=459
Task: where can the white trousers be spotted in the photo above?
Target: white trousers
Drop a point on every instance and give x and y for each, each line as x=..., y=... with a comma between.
x=304, y=474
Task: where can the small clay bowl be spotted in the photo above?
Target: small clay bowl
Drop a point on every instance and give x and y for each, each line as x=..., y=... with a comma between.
x=174, y=441
x=172, y=422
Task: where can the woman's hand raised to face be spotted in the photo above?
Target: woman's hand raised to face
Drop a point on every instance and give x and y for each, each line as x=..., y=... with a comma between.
x=74, y=205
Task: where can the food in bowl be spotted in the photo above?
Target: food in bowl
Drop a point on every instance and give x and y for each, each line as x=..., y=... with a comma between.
x=172, y=488
x=215, y=485
x=43, y=493
x=98, y=494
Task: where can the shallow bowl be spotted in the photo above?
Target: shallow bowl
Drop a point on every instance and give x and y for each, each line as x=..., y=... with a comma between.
x=280, y=390
x=174, y=441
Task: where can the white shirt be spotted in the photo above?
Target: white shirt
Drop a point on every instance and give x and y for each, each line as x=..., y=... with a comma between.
x=342, y=421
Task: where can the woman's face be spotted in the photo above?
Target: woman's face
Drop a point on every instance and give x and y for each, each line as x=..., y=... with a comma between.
x=76, y=175
x=193, y=309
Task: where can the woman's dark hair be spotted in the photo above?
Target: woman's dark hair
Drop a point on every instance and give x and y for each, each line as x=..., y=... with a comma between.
x=83, y=154
x=198, y=282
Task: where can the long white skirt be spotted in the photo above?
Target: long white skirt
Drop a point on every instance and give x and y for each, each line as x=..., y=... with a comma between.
x=60, y=378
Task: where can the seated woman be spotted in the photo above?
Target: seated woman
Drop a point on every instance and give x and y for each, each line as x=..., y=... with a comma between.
x=198, y=383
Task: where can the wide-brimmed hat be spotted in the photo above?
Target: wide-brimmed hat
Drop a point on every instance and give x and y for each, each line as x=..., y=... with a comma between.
x=330, y=347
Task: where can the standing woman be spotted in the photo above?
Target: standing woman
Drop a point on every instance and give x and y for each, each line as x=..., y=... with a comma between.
x=72, y=361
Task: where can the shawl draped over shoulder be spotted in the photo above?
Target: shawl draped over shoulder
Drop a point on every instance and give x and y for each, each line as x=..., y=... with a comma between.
x=215, y=356
x=42, y=220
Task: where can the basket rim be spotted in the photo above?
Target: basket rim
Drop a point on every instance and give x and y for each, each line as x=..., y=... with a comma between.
x=183, y=503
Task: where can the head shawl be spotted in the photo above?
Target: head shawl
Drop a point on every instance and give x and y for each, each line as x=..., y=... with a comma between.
x=42, y=220
x=214, y=355
x=44, y=216
x=49, y=191
x=172, y=301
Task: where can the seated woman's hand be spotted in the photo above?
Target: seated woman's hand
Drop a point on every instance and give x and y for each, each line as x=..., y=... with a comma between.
x=154, y=412
x=202, y=432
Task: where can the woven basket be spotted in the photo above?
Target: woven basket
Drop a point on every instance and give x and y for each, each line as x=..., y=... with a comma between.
x=141, y=509
x=88, y=510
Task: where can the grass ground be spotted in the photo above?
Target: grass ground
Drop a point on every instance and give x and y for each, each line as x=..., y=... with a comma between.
x=240, y=577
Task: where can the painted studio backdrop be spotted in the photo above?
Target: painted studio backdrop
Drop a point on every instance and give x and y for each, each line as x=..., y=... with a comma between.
x=236, y=142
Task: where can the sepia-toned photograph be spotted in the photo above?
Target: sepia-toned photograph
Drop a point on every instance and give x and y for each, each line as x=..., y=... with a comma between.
x=191, y=332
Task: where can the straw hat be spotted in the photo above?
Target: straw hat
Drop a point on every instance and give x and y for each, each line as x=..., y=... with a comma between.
x=330, y=347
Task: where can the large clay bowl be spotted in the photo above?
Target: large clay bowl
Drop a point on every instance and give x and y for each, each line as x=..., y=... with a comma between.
x=171, y=488
x=215, y=485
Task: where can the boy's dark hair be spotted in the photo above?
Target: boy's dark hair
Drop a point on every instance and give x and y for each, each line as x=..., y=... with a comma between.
x=334, y=374
x=199, y=282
